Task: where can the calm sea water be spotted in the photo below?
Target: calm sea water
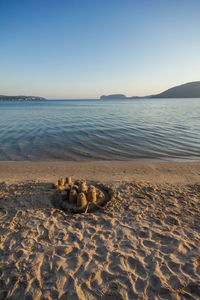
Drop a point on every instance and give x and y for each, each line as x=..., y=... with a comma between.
x=166, y=129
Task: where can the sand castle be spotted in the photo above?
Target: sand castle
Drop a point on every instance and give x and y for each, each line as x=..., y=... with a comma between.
x=78, y=195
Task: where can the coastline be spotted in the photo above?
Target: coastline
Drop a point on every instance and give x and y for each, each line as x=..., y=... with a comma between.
x=154, y=172
x=143, y=245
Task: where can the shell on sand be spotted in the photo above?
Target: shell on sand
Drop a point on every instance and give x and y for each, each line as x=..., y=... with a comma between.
x=81, y=200
x=73, y=196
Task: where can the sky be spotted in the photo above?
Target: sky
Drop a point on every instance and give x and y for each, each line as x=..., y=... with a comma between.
x=72, y=49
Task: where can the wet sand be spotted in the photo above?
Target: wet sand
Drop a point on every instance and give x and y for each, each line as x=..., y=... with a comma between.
x=157, y=172
x=143, y=245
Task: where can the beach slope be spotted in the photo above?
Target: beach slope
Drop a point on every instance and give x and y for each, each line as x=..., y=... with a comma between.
x=143, y=245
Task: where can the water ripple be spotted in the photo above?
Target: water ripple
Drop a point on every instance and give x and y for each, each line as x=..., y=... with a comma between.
x=75, y=130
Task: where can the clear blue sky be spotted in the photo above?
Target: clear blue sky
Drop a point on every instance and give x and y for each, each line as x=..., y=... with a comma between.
x=86, y=48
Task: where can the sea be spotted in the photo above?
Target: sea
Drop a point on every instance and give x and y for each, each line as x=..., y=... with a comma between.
x=76, y=130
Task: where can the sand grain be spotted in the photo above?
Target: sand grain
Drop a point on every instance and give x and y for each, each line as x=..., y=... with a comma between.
x=144, y=245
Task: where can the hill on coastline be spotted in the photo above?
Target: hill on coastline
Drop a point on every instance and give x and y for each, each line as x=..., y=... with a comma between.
x=188, y=90
x=21, y=98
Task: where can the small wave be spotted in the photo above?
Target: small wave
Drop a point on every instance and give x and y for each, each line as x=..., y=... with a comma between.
x=67, y=130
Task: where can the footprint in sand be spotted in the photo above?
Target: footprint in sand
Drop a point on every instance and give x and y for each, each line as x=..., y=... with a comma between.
x=137, y=266
x=171, y=221
x=149, y=244
x=102, y=250
x=63, y=250
x=140, y=270
x=106, y=277
x=174, y=282
x=173, y=266
x=19, y=253
x=28, y=243
x=188, y=269
x=145, y=233
x=165, y=293
x=125, y=245
x=3, y=213
x=72, y=258
x=193, y=288
x=85, y=257
x=140, y=285
x=115, y=268
x=165, y=270
x=155, y=282
x=132, y=262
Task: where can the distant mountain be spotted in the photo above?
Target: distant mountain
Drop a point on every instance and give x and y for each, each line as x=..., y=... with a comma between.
x=113, y=96
x=119, y=96
x=188, y=90
x=21, y=98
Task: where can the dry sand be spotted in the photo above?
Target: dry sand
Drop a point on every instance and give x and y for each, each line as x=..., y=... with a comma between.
x=144, y=245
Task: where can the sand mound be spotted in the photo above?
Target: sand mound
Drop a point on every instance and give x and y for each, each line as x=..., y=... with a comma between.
x=80, y=196
x=144, y=245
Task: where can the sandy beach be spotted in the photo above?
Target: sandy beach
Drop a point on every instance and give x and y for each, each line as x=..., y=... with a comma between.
x=143, y=245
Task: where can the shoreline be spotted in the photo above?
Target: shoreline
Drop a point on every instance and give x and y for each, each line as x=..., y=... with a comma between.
x=155, y=172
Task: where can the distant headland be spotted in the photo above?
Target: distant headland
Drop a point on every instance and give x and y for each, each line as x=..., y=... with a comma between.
x=21, y=98
x=188, y=90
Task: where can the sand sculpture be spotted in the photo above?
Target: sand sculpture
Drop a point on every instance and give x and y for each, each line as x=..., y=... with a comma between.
x=78, y=194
